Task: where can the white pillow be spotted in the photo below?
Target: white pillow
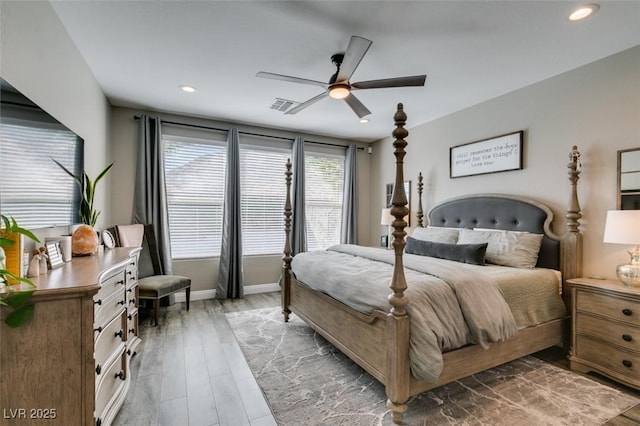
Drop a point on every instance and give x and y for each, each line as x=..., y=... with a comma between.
x=508, y=248
x=436, y=234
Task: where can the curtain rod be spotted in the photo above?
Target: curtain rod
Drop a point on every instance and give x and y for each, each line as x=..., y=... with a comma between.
x=198, y=126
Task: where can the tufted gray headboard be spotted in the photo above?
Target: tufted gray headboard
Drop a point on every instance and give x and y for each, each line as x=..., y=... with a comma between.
x=507, y=212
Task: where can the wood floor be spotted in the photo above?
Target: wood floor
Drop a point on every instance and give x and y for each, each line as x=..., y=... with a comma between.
x=190, y=371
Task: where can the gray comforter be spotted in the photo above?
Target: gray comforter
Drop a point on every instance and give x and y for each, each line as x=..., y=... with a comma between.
x=449, y=305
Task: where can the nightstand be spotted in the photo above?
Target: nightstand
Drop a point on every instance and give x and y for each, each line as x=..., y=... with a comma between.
x=606, y=329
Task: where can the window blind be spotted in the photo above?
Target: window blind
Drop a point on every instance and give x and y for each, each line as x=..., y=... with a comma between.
x=263, y=192
x=324, y=176
x=33, y=189
x=195, y=176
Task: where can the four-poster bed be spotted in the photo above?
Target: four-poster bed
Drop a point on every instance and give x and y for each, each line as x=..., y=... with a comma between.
x=379, y=340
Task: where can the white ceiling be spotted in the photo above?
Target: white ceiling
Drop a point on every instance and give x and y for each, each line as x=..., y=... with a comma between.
x=471, y=51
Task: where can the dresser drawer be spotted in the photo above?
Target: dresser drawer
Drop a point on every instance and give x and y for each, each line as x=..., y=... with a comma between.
x=610, y=358
x=609, y=306
x=110, y=387
x=620, y=334
x=109, y=340
x=132, y=272
x=106, y=309
x=109, y=286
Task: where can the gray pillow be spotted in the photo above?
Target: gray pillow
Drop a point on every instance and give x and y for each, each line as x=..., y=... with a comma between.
x=436, y=234
x=506, y=248
x=466, y=253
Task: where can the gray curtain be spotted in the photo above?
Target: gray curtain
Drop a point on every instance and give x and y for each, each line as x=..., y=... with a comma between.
x=150, y=193
x=230, y=275
x=349, y=229
x=298, y=225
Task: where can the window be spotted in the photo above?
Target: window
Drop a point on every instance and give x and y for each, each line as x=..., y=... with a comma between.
x=195, y=176
x=324, y=176
x=263, y=192
x=33, y=189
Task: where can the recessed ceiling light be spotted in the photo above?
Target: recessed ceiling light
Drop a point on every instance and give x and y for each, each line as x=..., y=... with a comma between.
x=364, y=120
x=188, y=89
x=583, y=12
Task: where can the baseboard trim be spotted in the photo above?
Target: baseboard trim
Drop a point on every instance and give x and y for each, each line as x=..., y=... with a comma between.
x=211, y=294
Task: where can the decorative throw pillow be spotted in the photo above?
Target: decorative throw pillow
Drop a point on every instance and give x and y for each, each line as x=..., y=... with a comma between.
x=507, y=248
x=466, y=253
x=436, y=234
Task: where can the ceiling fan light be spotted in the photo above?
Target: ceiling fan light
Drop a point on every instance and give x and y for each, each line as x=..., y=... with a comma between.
x=339, y=91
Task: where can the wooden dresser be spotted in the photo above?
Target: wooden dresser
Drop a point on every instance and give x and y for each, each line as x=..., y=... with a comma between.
x=70, y=364
x=606, y=329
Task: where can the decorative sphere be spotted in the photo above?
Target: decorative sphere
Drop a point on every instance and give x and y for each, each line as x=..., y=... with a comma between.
x=84, y=241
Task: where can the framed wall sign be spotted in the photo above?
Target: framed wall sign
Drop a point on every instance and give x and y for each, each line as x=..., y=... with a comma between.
x=498, y=154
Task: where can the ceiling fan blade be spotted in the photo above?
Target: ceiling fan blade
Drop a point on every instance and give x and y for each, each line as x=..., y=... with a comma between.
x=356, y=50
x=288, y=78
x=415, y=80
x=357, y=106
x=307, y=103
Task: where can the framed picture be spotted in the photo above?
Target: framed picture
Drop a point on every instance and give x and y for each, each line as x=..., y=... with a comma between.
x=498, y=154
x=407, y=190
x=54, y=254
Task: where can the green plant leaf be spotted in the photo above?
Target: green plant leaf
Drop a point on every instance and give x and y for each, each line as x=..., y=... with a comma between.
x=19, y=299
x=19, y=316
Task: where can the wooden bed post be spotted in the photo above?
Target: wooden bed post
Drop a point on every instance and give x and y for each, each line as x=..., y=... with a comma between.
x=398, y=374
x=420, y=213
x=286, y=265
x=571, y=243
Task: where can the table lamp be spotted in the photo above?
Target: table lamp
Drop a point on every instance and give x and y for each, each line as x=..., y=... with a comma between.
x=387, y=219
x=623, y=227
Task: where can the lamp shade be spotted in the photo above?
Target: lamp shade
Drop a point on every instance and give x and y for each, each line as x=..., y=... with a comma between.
x=386, y=218
x=622, y=227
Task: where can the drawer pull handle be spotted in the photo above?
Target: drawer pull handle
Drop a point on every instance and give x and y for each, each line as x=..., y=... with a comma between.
x=132, y=330
x=121, y=282
x=98, y=369
x=119, y=333
x=627, y=337
x=132, y=301
x=98, y=302
x=129, y=290
x=121, y=302
x=130, y=317
x=627, y=363
x=120, y=375
x=627, y=312
x=99, y=329
x=99, y=422
x=128, y=351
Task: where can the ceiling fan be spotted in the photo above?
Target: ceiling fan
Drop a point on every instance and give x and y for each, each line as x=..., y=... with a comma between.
x=339, y=86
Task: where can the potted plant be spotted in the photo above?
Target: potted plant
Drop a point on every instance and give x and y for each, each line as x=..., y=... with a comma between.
x=16, y=299
x=88, y=215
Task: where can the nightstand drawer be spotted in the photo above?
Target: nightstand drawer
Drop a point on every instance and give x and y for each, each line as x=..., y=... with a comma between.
x=624, y=335
x=611, y=359
x=609, y=306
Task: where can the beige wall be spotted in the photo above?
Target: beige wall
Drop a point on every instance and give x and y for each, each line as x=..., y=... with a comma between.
x=204, y=272
x=39, y=59
x=596, y=107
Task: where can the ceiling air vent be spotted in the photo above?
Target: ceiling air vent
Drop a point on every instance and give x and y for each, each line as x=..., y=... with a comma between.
x=282, y=104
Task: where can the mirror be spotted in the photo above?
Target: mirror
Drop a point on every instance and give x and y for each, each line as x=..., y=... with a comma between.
x=33, y=189
x=629, y=179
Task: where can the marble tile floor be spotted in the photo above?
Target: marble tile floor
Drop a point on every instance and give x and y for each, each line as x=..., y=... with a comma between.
x=190, y=371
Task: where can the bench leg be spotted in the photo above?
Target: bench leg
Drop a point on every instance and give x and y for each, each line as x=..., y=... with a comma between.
x=188, y=294
x=156, y=309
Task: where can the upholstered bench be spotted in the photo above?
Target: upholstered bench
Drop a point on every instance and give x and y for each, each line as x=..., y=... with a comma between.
x=155, y=287
x=153, y=284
